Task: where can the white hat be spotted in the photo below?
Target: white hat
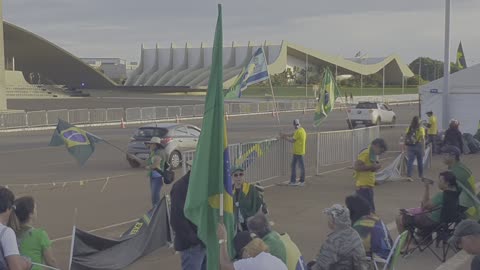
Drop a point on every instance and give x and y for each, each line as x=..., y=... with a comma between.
x=154, y=140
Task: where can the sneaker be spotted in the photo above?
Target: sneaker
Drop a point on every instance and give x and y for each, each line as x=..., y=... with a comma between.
x=293, y=184
x=301, y=184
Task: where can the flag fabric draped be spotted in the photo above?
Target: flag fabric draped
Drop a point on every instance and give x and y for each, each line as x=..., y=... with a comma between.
x=328, y=94
x=256, y=71
x=461, y=63
x=210, y=174
x=79, y=143
x=252, y=151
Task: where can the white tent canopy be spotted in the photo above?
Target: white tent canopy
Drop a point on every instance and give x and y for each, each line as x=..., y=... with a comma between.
x=463, y=100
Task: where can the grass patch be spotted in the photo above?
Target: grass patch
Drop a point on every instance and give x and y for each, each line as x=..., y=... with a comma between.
x=299, y=91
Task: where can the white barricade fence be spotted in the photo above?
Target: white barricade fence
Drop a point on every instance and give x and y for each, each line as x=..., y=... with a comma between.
x=115, y=114
x=270, y=159
x=36, y=119
x=98, y=115
x=79, y=116
x=188, y=111
x=148, y=113
x=161, y=112
x=133, y=114
x=174, y=111
x=53, y=116
x=13, y=120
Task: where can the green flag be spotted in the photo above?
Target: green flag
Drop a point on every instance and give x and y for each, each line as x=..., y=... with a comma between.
x=328, y=94
x=210, y=175
x=461, y=63
x=80, y=144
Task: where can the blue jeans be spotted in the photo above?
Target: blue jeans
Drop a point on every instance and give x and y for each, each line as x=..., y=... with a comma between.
x=297, y=159
x=415, y=152
x=194, y=258
x=156, y=184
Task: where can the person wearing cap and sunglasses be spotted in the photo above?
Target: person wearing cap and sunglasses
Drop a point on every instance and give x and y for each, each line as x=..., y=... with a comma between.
x=365, y=167
x=432, y=131
x=247, y=200
x=156, y=164
x=299, y=140
x=465, y=181
x=467, y=237
x=252, y=253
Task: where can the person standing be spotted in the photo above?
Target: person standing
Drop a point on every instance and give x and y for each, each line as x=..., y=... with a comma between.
x=33, y=243
x=299, y=140
x=365, y=167
x=453, y=136
x=467, y=237
x=191, y=248
x=156, y=164
x=9, y=255
x=247, y=200
x=432, y=130
x=415, y=142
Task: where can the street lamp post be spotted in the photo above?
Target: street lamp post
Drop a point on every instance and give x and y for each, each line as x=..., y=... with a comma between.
x=446, y=64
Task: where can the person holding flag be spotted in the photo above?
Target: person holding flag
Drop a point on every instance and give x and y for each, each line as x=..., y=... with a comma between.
x=209, y=198
x=326, y=102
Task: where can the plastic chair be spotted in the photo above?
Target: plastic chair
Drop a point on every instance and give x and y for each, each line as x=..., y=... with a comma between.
x=391, y=261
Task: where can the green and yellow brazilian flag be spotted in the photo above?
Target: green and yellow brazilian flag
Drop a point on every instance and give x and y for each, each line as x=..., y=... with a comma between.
x=328, y=94
x=79, y=143
x=210, y=175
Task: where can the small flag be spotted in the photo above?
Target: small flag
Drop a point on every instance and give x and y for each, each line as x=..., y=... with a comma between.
x=80, y=144
x=461, y=63
x=328, y=94
x=251, y=152
x=358, y=54
x=256, y=71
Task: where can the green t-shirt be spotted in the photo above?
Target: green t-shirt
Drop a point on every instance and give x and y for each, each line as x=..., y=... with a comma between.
x=437, y=201
x=276, y=246
x=32, y=244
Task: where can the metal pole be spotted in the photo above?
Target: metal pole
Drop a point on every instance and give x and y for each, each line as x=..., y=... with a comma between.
x=446, y=64
x=306, y=76
x=361, y=84
x=13, y=63
x=403, y=84
x=419, y=71
x=383, y=93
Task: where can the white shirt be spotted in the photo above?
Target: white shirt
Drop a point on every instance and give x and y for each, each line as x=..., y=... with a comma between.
x=263, y=261
x=9, y=242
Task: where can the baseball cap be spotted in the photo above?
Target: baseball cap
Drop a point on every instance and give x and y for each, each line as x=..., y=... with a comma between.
x=380, y=143
x=429, y=112
x=236, y=169
x=464, y=228
x=241, y=240
x=296, y=122
x=452, y=150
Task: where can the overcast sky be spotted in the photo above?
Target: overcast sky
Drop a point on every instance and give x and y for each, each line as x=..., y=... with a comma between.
x=116, y=28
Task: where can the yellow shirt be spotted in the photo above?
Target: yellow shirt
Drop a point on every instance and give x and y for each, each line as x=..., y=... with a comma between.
x=365, y=178
x=420, y=134
x=300, y=137
x=433, y=129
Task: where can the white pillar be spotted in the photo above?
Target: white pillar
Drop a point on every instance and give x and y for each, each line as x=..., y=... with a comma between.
x=446, y=65
x=383, y=84
x=306, y=75
x=13, y=63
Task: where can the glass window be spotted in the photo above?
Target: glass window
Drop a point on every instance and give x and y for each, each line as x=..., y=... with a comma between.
x=194, y=132
x=181, y=132
x=149, y=132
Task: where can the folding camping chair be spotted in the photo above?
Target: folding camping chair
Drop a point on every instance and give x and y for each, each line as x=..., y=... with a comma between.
x=391, y=261
x=450, y=215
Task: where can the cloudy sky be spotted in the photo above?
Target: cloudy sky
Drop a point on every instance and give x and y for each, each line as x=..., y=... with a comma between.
x=116, y=28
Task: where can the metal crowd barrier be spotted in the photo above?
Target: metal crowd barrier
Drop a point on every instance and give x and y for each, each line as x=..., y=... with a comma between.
x=91, y=116
x=271, y=159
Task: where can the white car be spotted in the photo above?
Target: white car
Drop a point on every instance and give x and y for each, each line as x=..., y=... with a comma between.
x=369, y=114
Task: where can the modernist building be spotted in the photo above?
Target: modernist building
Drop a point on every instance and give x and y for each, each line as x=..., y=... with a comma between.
x=187, y=66
x=113, y=68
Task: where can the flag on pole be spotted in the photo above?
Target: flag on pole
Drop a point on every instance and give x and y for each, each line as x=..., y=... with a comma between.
x=328, y=94
x=358, y=54
x=256, y=71
x=252, y=151
x=210, y=175
x=79, y=143
x=461, y=63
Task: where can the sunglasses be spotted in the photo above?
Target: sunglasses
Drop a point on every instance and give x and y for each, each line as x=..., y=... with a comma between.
x=238, y=174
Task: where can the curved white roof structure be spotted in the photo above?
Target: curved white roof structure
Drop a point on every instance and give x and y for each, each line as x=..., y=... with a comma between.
x=187, y=66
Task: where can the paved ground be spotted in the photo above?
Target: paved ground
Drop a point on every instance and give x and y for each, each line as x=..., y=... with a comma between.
x=25, y=158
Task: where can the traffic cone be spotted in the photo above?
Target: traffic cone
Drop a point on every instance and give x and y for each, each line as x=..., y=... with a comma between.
x=122, y=123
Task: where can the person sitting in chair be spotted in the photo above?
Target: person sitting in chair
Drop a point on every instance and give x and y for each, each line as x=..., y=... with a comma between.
x=428, y=215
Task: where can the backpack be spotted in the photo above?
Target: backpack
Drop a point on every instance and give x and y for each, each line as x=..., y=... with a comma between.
x=3, y=261
x=411, y=137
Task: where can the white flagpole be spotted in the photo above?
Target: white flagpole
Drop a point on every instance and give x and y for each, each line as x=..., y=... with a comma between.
x=73, y=237
x=221, y=205
x=271, y=88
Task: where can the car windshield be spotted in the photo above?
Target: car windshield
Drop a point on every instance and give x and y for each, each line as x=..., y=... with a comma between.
x=366, y=106
x=149, y=132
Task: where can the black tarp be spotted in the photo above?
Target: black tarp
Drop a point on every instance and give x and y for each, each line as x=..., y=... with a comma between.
x=149, y=233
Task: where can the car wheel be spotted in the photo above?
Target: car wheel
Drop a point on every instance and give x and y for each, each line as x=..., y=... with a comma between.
x=175, y=159
x=394, y=121
x=133, y=163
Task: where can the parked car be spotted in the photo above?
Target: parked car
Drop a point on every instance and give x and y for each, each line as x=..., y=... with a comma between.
x=177, y=137
x=369, y=114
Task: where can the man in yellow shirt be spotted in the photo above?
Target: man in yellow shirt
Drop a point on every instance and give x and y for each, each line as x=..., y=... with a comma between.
x=366, y=166
x=432, y=130
x=299, y=140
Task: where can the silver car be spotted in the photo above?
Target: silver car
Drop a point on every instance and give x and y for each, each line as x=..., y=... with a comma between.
x=177, y=137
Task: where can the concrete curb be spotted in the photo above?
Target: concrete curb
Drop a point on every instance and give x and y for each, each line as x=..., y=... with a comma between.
x=106, y=124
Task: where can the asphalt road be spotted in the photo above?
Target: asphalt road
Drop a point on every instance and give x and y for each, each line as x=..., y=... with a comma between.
x=25, y=158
